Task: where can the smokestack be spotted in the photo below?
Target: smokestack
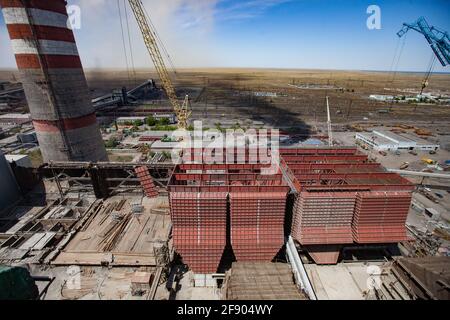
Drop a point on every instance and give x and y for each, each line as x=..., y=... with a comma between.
x=53, y=78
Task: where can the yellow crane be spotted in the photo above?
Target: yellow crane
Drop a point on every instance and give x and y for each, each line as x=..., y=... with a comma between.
x=149, y=34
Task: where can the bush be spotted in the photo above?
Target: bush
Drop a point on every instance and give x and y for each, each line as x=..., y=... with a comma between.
x=164, y=121
x=164, y=128
x=138, y=123
x=167, y=155
x=150, y=121
x=111, y=143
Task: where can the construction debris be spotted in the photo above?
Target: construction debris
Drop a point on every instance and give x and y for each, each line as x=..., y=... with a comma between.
x=141, y=282
x=427, y=278
x=260, y=281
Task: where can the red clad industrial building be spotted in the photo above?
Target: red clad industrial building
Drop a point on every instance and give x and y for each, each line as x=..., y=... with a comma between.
x=343, y=199
x=340, y=199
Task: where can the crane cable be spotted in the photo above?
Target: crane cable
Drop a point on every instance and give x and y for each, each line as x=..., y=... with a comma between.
x=393, y=61
x=123, y=40
x=430, y=68
x=129, y=43
x=160, y=42
x=398, y=59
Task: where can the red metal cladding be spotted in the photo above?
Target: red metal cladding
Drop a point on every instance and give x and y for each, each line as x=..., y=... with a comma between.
x=322, y=254
x=326, y=213
x=257, y=224
x=319, y=151
x=199, y=228
x=65, y=124
x=380, y=217
x=54, y=6
x=23, y=31
x=146, y=181
x=32, y=61
x=148, y=139
x=323, y=218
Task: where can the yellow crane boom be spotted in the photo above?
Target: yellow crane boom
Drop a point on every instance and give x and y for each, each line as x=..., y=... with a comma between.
x=150, y=37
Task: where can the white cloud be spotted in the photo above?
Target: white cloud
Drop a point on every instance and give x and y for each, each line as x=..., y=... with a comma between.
x=185, y=26
x=245, y=9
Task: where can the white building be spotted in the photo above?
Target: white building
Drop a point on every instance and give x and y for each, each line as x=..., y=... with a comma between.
x=126, y=120
x=380, y=97
x=15, y=118
x=157, y=116
x=389, y=141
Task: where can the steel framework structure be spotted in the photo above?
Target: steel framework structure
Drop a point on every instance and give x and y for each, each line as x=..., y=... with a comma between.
x=150, y=39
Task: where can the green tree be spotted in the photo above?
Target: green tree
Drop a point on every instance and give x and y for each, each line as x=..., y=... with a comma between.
x=151, y=121
x=111, y=143
x=138, y=123
x=164, y=121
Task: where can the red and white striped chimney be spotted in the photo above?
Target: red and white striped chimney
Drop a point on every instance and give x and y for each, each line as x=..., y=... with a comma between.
x=53, y=79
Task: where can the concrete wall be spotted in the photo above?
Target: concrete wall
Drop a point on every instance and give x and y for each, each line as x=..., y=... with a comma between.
x=9, y=189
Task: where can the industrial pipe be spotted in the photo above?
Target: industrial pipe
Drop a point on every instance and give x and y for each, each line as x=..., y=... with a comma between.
x=299, y=270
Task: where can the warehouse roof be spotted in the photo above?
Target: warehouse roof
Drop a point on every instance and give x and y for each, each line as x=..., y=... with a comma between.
x=393, y=136
x=15, y=116
x=375, y=138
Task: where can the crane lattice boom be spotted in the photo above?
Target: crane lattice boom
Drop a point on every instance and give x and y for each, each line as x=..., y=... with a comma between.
x=438, y=40
x=150, y=37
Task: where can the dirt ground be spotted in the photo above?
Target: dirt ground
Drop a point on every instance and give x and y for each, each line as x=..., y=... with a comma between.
x=249, y=94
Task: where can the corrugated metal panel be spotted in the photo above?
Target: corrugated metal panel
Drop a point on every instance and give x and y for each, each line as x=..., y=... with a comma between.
x=323, y=218
x=257, y=224
x=146, y=181
x=327, y=182
x=199, y=228
x=380, y=217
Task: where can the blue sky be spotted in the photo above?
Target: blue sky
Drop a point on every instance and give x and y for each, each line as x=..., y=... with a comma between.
x=316, y=34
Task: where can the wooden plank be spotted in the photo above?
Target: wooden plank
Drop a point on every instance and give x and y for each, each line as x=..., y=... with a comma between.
x=96, y=259
x=32, y=241
x=44, y=241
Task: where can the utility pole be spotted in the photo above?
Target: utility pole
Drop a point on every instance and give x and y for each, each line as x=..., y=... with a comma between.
x=330, y=131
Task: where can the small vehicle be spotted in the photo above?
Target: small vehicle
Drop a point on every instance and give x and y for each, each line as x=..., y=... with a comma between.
x=405, y=165
x=439, y=195
x=428, y=161
x=432, y=152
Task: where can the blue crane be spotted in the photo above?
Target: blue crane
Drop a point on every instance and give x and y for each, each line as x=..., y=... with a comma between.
x=439, y=42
